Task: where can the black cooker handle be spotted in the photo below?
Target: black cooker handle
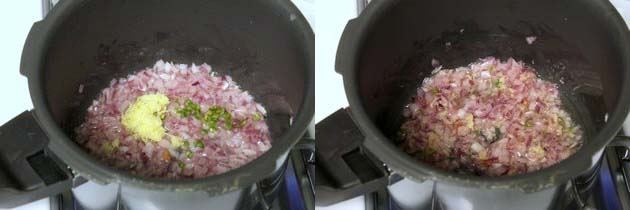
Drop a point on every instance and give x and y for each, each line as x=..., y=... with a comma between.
x=305, y=143
x=348, y=45
x=344, y=168
x=620, y=141
x=34, y=45
x=28, y=171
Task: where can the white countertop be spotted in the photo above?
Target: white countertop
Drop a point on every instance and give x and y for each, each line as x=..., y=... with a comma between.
x=16, y=20
x=332, y=16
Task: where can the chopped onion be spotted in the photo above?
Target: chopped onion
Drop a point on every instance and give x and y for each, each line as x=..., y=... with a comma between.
x=530, y=39
x=222, y=150
x=499, y=115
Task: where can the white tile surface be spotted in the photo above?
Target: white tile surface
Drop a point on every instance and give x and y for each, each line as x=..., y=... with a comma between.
x=623, y=7
x=16, y=20
x=357, y=203
x=332, y=16
x=307, y=7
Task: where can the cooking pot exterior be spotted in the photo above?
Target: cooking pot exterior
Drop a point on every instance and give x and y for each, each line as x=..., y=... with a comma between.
x=83, y=42
x=385, y=53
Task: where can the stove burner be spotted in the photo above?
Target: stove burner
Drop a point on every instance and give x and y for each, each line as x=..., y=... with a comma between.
x=291, y=190
x=609, y=191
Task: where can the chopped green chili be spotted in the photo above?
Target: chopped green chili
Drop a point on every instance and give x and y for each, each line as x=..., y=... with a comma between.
x=529, y=124
x=256, y=117
x=241, y=123
x=561, y=121
x=186, y=144
x=497, y=134
x=497, y=83
x=426, y=154
x=199, y=144
x=210, y=119
x=181, y=165
x=190, y=108
x=228, y=120
x=189, y=154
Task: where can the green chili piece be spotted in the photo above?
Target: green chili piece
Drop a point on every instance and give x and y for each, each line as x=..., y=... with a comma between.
x=181, y=165
x=497, y=134
x=497, y=83
x=182, y=112
x=242, y=123
x=529, y=124
x=561, y=121
x=199, y=144
x=211, y=118
x=212, y=126
x=190, y=108
x=228, y=120
x=189, y=154
x=257, y=117
x=228, y=125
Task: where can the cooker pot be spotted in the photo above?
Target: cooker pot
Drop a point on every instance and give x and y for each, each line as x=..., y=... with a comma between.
x=384, y=54
x=266, y=46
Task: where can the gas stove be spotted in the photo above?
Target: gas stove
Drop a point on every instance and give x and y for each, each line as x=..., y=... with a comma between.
x=294, y=190
x=609, y=189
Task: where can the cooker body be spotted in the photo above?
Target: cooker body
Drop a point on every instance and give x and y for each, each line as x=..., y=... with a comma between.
x=267, y=47
x=387, y=51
